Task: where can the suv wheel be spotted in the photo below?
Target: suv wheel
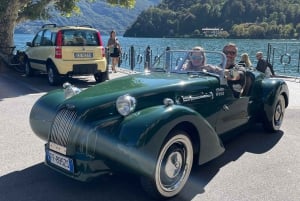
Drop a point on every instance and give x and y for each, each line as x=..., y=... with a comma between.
x=28, y=69
x=53, y=77
x=100, y=77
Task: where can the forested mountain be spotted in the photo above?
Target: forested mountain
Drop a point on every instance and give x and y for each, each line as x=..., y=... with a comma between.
x=100, y=15
x=237, y=18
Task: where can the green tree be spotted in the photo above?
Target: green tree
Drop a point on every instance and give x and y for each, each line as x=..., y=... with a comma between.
x=288, y=31
x=240, y=18
x=13, y=12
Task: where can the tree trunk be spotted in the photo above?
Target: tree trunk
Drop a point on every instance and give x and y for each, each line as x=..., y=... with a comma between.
x=7, y=26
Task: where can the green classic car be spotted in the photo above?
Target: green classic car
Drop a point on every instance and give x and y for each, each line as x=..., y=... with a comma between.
x=155, y=124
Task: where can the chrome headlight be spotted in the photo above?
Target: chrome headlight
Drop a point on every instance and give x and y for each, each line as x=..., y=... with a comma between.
x=70, y=90
x=125, y=104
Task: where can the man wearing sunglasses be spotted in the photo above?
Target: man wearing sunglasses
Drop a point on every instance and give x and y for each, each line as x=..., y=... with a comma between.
x=234, y=73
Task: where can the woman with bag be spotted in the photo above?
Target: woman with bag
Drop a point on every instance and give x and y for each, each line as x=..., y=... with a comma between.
x=114, y=50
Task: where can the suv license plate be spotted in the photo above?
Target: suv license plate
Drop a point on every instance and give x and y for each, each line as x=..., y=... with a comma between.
x=59, y=160
x=83, y=55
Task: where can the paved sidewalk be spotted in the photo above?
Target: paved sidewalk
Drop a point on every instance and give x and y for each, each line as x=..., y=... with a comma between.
x=120, y=73
x=294, y=89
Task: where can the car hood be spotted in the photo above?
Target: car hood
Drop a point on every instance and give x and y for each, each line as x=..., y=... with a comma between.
x=151, y=87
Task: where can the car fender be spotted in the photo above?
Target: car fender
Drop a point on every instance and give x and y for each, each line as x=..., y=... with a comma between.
x=43, y=112
x=50, y=62
x=147, y=130
x=271, y=89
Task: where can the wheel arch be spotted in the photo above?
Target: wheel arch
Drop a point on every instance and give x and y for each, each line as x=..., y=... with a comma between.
x=26, y=58
x=192, y=132
x=161, y=121
x=49, y=63
x=273, y=88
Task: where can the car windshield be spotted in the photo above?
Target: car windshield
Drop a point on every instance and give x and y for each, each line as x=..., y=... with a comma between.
x=189, y=61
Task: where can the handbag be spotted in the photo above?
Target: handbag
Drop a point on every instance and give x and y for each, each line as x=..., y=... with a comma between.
x=116, y=51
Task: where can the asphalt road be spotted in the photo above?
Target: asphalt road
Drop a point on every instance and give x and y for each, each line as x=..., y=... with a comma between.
x=255, y=167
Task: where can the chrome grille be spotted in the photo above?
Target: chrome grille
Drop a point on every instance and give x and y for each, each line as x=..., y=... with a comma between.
x=62, y=126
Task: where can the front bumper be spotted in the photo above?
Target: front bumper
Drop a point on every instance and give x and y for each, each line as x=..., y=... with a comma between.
x=84, y=168
x=80, y=67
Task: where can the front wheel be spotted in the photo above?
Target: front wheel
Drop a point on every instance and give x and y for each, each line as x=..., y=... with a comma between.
x=173, y=167
x=28, y=69
x=101, y=76
x=273, y=124
x=53, y=77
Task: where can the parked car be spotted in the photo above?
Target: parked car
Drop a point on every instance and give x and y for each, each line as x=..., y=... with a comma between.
x=66, y=51
x=154, y=124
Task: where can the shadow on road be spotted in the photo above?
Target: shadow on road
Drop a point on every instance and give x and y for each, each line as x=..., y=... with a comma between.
x=40, y=183
x=20, y=84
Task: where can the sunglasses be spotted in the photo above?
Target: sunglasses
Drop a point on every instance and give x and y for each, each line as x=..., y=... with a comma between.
x=226, y=52
x=197, y=57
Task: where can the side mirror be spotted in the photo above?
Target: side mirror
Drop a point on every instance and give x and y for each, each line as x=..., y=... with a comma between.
x=29, y=44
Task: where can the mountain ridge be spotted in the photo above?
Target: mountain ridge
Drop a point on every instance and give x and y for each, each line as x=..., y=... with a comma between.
x=234, y=18
x=99, y=15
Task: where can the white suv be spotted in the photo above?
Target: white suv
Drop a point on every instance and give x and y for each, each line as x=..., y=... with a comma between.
x=66, y=51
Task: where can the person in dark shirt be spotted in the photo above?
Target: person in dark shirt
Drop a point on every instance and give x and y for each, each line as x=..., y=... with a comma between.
x=264, y=66
x=234, y=73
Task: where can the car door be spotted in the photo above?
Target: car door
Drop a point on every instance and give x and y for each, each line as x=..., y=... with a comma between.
x=201, y=97
x=34, y=52
x=40, y=50
x=233, y=111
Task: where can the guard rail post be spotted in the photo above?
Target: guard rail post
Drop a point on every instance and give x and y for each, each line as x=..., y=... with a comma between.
x=132, y=56
x=298, y=61
x=168, y=58
x=147, y=58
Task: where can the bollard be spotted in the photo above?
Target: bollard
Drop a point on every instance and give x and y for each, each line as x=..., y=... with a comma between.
x=132, y=56
x=147, y=58
x=168, y=58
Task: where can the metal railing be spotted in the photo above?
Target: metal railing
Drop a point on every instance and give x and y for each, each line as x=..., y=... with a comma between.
x=285, y=56
x=136, y=58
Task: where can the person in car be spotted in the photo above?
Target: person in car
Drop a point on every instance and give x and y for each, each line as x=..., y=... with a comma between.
x=197, y=62
x=234, y=73
x=245, y=61
x=264, y=66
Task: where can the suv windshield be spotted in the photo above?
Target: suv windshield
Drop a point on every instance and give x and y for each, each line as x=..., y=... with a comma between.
x=80, y=37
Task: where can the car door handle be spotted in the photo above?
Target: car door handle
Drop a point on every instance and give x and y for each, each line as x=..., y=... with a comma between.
x=191, y=98
x=225, y=108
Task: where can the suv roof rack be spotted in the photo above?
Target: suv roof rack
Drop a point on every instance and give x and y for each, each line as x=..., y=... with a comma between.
x=48, y=25
x=86, y=25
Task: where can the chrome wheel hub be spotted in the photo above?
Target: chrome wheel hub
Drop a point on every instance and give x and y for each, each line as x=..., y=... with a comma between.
x=173, y=165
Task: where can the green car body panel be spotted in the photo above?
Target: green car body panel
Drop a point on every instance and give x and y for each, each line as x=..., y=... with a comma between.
x=100, y=140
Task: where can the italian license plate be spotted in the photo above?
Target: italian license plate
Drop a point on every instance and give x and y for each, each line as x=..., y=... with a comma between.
x=60, y=160
x=83, y=55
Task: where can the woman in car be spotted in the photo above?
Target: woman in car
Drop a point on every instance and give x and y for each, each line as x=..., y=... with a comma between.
x=197, y=62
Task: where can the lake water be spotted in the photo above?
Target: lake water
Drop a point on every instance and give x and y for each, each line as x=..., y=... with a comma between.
x=250, y=46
